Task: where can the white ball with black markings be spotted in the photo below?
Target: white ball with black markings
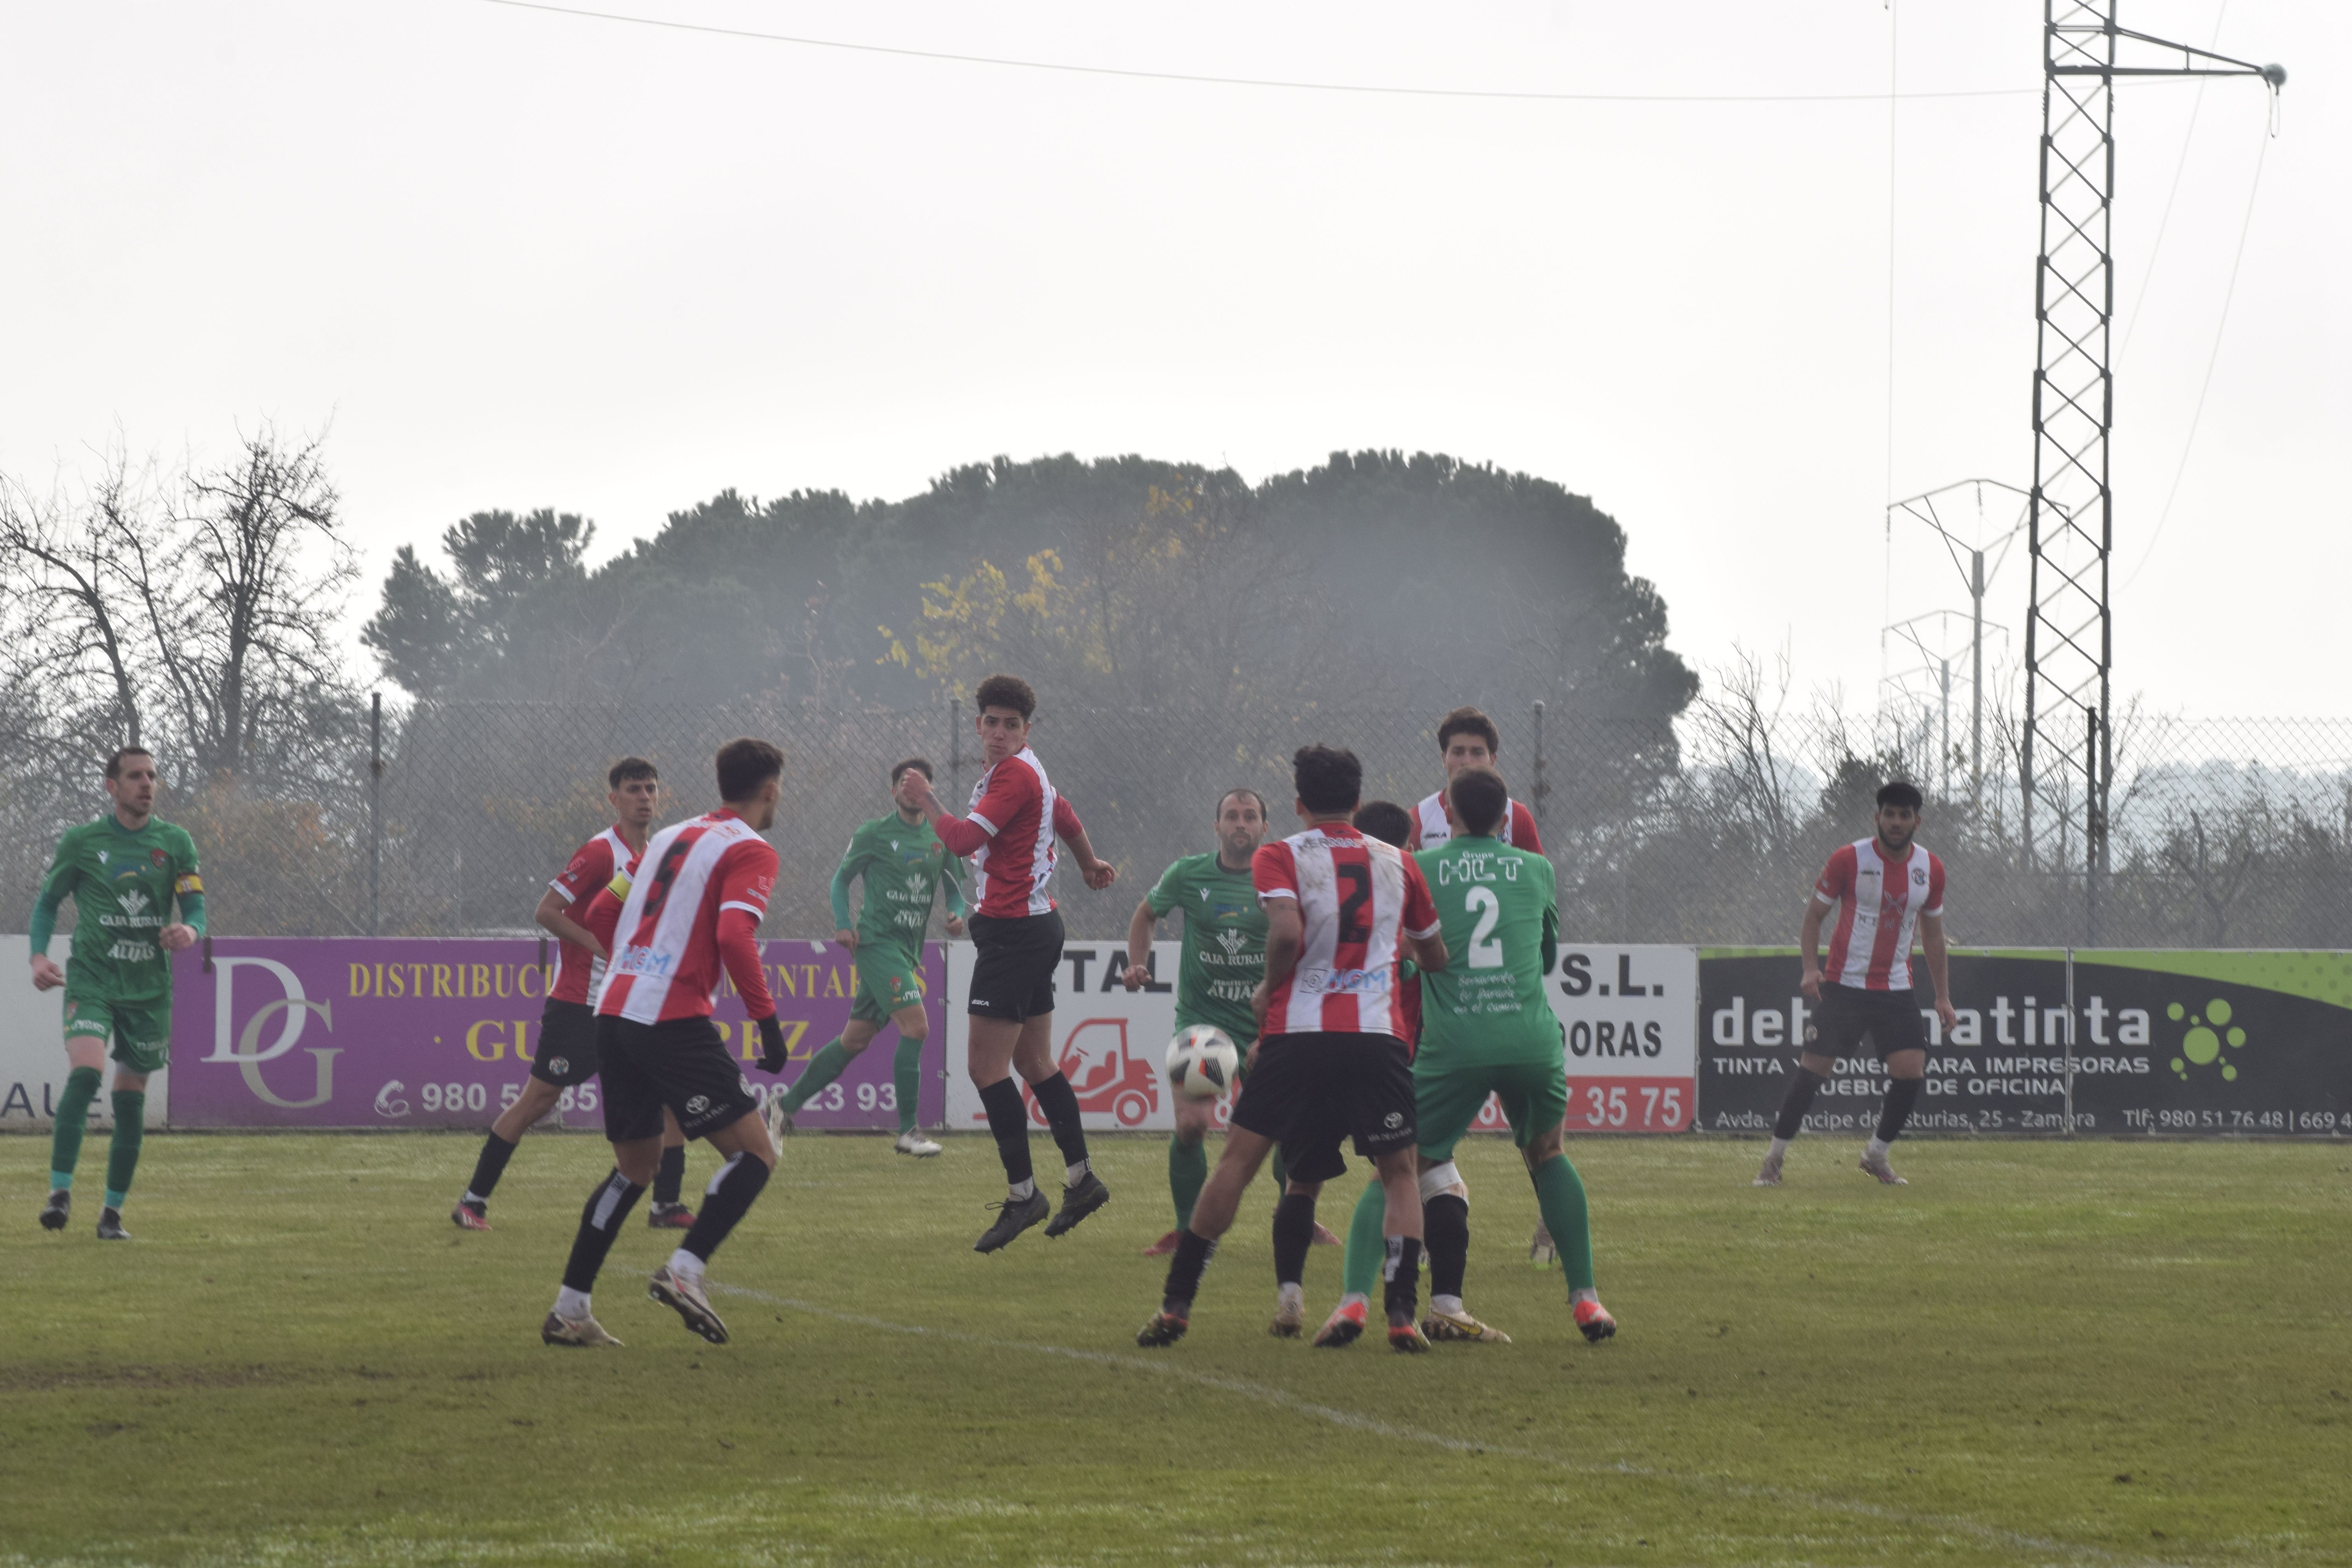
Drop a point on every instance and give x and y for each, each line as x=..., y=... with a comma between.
x=1202, y=1062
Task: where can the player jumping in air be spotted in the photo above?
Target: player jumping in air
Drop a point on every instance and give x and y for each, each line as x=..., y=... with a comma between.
x=1015, y=815
x=1487, y=1029
x=1330, y=1060
x=1468, y=739
x=902, y=863
x=122, y=872
x=567, y=1024
x=691, y=912
x=1882, y=887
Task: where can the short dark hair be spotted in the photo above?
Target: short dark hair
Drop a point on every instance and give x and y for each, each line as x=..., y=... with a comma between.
x=1901, y=791
x=1480, y=799
x=1467, y=720
x=744, y=766
x=1384, y=820
x=915, y=764
x=1329, y=778
x=1244, y=789
x=114, y=763
x=628, y=769
x=1006, y=691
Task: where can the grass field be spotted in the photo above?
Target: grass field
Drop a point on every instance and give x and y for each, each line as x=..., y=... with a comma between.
x=2105, y=1352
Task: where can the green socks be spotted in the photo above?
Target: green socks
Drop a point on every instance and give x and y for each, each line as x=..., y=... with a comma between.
x=73, y=1117
x=907, y=1075
x=1188, y=1173
x=1368, y=1247
x=823, y=1068
x=1560, y=1192
x=130, y=1132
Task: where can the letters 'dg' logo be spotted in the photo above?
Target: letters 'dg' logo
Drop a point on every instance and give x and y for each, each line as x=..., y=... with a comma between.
x=289, y=1011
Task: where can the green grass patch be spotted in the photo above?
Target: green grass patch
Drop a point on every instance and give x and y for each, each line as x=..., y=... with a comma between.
x=2037, y=1352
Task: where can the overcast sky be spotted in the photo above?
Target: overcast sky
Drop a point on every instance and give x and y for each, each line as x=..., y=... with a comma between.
x=527, y=259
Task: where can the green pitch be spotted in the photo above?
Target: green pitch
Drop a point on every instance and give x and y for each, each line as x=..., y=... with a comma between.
x=2110, y=1353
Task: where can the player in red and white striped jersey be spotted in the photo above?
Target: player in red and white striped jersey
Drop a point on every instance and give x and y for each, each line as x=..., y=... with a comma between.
x=1330, y=1060
x=1885, y=888
x=690, y=914
x=1016, y=931
x=566, y=1052
x=1468, y=739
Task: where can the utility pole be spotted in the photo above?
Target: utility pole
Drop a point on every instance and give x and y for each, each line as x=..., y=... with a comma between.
x=2069, y=629
x=1974, y=576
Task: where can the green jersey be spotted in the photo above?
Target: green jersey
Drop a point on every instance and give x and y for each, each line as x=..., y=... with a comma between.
x=122, y=884
x=1224, y=944
x=1500, y=910
x=902, y=867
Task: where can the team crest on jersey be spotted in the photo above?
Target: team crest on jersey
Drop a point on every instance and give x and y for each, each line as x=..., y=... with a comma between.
x=1919, y=877
x=158, y=857
x=559, y=1066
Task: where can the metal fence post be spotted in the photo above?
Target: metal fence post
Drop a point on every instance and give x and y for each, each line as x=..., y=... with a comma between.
x=2070, y=1042
x=1536, y=803
x=955, y=749
x=375, y=814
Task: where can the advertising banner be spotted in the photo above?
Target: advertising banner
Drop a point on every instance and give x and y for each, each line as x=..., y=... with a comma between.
x=363, y=1032
x=33, y=1048
x=1628, y=1014
x=2151, y=1042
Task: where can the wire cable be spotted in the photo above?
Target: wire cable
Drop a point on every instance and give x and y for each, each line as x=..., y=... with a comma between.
x=1255, y=82
x=2213, y=359
x=2155, y=248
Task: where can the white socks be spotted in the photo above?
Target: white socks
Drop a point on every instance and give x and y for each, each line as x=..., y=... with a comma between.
x=1446, y=1304
x=685, y=1264
x=1073, y=1174
x=1291, y=1293
x=1779, y=1147
x=571, y=1305
x=1355, y=1298
x=1588, y=1294
x=1876, y=1148
x=1021, y=1191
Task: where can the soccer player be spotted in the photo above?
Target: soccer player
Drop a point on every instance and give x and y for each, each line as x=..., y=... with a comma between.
x=1468, y=739
x=903, y=864
x=1330, y=1058
x=567, y=1024
x=1015, y=815
x=122, y=872
x=1487, y=1029
x=1883, y=887
x=690, y=910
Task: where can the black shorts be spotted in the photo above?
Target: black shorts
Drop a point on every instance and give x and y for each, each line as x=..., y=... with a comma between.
x=1307, y=1093
x=1013, y=971
x=682, y=1064
x=1889, y=1019
x=567, y=1044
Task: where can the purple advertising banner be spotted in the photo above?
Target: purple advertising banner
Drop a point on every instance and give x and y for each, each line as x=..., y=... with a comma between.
x=366, y=1032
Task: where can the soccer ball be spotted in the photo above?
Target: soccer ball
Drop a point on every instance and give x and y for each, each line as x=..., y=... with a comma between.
x=1202, y=1062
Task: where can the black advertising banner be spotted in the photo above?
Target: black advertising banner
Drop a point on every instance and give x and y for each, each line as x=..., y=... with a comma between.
x=2154, y=1042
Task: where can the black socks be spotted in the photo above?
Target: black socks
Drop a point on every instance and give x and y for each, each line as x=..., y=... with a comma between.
x=1446, y=1233
x=1294, y=1233
x=600, y=1222
x=1403, y=1270
x=1008, y=1121
x=729, y=1198
x=489, y=1166
x=669, y=1178
x=1796, y=1103
x=1059, y=1101
x=1902, y=1094
x=1192, y=1255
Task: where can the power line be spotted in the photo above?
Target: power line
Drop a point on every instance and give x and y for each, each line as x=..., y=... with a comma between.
x=1258, y=81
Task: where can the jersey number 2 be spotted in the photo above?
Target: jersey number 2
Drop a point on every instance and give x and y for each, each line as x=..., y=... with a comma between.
x=1354, y=927
x=1485, y=947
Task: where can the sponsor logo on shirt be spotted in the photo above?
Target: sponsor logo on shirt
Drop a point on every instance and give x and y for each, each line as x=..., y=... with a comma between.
x=1346, y=981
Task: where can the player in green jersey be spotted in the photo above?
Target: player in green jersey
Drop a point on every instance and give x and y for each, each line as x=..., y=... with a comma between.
x=1487, y=1028
x=902, y=863
x=122, y=872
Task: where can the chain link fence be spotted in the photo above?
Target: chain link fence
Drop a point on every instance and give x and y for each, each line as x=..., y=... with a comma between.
x=449, y=819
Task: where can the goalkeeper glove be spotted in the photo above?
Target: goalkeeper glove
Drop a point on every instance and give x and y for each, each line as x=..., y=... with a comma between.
x=771, y=1045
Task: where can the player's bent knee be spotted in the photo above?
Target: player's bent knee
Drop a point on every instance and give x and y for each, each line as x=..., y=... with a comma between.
x=1546, y=1146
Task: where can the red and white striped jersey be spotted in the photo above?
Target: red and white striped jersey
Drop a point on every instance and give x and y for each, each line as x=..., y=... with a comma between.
x=1431, y=829
x=695, y=898
x=1881, y=902
x=592, y=866
x=1009, y=834
x=1354, y=895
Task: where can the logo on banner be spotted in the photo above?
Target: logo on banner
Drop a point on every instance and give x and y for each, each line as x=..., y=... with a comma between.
x=2208, y=1032
x=1108, y=1077
x=386, y=1105
x=290, y=1011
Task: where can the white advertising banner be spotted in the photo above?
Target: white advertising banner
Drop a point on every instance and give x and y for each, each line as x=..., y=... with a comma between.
x=33, y=1051
x=1629, y=1014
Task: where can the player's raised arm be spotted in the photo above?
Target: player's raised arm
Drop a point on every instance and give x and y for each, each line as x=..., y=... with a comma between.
x=1099, y=873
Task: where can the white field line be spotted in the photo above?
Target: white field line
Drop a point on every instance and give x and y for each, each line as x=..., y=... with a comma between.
x=1355, y=1421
